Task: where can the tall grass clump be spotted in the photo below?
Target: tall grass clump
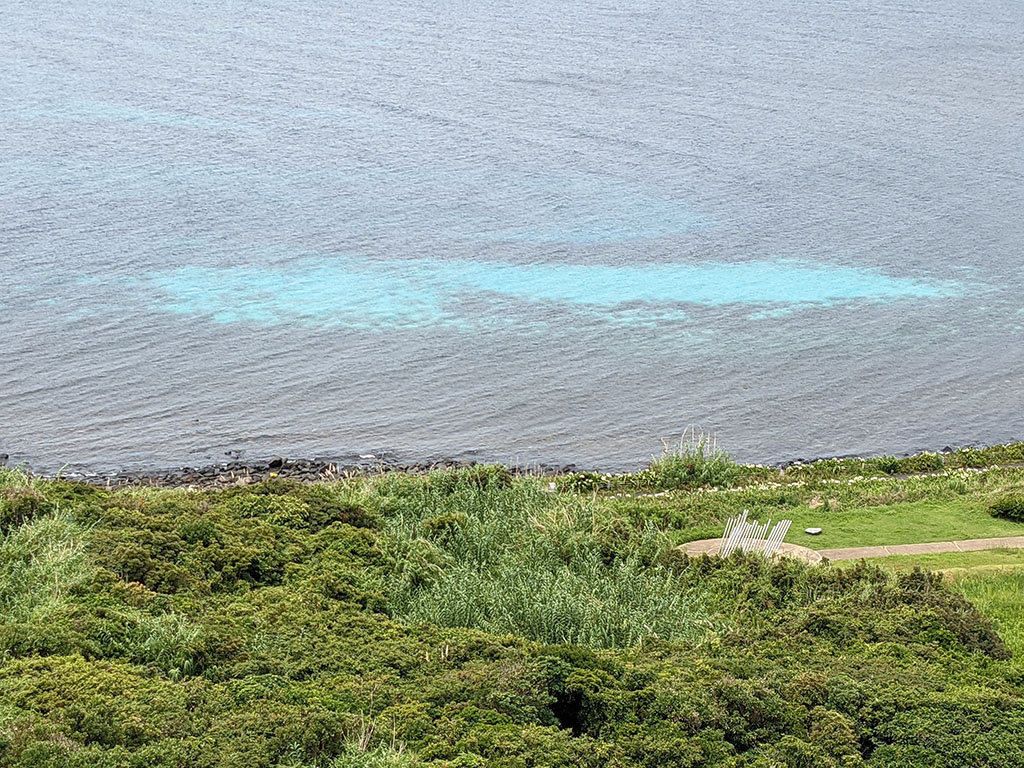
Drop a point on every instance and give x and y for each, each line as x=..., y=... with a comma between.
x=21, y=499
x=384, y=756
x=41, y=563
x=170, y=642
x=514, y=559
x=696, y=462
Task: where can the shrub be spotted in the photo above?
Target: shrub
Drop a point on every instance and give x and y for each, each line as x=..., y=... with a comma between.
x=890, y=465
x=327, y=505
x=143, y=555
x=581, y=482
x=909, y=465
x=922, y=462
x=478, y=476
x=1010, y=507
x=274, y=508
x=971, y=457
x=19, y=504
x=200, y=532
x=443, y=527
x=695, y=463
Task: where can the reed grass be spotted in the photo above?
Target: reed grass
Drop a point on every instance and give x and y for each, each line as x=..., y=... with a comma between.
x=695, y=462
x=41, y=563
x=518, y=560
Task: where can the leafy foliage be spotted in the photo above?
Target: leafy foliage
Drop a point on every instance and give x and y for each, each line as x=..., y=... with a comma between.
x=466, y=618
x=695, y=463
x=1010, y=507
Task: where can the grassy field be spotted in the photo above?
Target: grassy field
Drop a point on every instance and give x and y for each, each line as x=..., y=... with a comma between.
x=998, y=593
x=957, y=564
x=908, y=523
x=850, y=512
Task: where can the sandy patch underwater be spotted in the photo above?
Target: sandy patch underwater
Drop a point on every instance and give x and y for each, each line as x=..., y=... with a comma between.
x=374, y=294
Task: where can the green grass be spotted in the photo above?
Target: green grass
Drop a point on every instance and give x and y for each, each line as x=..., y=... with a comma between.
x=956, y=562
x=911, y=523
x=998, y=593
x=850, y=512
x=518, y=560
x=41, y=563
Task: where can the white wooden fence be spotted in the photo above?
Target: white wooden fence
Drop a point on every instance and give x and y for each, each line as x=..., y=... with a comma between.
x=752, y=536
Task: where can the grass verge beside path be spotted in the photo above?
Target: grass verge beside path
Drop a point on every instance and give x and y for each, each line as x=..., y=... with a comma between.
x=913, y=523
x=863, y=513
x=956, y=563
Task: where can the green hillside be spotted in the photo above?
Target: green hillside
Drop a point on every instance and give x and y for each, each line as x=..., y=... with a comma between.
x=474, y=618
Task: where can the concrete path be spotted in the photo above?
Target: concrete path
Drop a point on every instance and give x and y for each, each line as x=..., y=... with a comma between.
x=711, y=547
x=969, y=545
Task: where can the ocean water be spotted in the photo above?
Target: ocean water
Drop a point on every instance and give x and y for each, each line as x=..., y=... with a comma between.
x=526, y=232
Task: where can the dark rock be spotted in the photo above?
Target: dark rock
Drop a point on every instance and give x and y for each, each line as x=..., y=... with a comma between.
x=275, y=463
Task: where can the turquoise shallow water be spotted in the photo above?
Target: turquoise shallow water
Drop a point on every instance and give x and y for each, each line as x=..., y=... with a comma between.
x=522, y=232
x=379, y=296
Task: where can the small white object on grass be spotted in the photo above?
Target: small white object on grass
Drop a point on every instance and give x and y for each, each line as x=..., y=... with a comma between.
x=812, y=531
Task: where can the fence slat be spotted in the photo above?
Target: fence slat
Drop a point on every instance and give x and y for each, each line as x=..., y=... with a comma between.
x=752, y=535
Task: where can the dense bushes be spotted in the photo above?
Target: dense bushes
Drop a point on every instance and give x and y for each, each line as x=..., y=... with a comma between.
x=20, y=503
x=1010, y=507
x=922, y=462
x=466, y=618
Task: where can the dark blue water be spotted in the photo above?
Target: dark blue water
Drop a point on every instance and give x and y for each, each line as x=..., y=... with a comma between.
x=530, y=232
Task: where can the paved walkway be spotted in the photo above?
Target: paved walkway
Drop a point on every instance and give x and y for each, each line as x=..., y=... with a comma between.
x=711, y=547
x=969, y=545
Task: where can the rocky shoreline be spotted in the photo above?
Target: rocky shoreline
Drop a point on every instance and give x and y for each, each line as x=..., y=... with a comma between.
x=239, y=472
x=301, y=470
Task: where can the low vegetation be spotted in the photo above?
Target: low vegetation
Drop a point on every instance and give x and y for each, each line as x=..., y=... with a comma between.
x=992, y=579
x=474, y=618
x=1010, y=507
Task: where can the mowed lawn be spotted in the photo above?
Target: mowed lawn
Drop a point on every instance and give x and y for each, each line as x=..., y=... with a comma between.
x=907, y=523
